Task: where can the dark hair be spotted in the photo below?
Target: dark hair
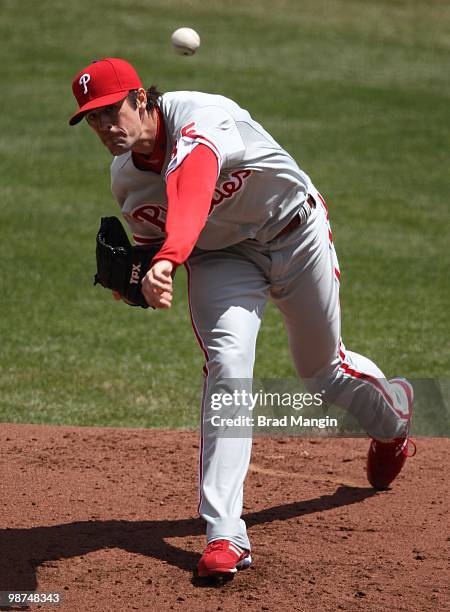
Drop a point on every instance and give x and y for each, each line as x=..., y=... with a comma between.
x=153, y=96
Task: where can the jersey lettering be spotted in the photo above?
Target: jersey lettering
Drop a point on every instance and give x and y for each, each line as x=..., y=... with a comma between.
x=229, y=187
x=150, y=213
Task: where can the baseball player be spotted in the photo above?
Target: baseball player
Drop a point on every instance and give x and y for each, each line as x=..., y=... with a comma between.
x=196, y=172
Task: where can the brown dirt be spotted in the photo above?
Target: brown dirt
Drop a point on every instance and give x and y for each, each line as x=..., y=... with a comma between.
x=107, y=517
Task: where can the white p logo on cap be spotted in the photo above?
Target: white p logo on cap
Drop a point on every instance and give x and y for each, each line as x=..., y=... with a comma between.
x=84, y=80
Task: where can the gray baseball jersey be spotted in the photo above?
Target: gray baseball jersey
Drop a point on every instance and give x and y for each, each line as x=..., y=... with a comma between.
x=259, y=187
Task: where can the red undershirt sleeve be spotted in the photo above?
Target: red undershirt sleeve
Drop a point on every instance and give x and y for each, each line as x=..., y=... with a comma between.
x=190, y=189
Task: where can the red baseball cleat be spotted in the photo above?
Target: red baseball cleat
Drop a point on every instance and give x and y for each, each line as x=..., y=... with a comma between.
x=223, y=558
x=386, y=459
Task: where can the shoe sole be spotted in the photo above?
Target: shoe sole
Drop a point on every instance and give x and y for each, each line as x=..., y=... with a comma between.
x=228, y=574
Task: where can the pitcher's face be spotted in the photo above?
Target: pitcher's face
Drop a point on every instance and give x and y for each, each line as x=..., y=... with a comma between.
x=119, y=125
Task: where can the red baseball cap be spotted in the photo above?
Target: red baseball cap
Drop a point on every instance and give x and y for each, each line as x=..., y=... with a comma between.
x=103, y=82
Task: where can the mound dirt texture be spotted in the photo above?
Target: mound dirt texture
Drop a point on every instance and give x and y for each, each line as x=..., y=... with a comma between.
x=108, y=518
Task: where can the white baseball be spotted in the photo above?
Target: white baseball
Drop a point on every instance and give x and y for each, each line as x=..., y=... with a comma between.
x=185, y=41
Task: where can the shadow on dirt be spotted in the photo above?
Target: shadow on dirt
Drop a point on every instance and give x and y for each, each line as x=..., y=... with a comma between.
x=24, y=550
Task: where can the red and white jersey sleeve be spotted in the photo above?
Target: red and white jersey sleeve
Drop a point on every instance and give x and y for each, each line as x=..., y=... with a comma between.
x=210, y=125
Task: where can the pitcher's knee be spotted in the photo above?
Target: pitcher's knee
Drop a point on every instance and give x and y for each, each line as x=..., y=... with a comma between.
x=231, y=364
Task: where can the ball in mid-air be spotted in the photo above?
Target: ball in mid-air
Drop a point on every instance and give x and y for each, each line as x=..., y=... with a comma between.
x=185, y=41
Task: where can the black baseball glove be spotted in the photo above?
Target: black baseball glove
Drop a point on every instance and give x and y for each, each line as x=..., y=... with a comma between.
x=121, y=266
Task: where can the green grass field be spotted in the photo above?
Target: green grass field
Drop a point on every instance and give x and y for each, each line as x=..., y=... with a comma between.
x=357, y=90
